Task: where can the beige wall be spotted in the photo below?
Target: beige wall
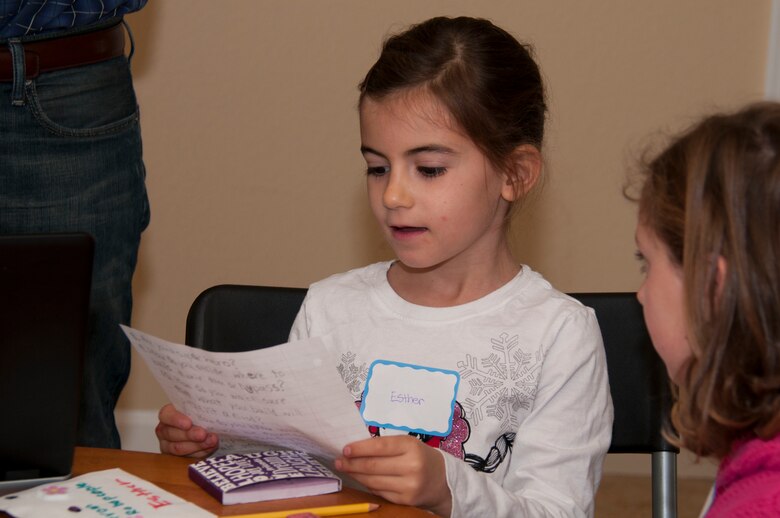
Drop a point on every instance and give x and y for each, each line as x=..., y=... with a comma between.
x=251, y=135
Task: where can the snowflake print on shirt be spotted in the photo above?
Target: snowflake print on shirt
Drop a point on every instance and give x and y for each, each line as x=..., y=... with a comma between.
x=501, y=384
x=354, y=376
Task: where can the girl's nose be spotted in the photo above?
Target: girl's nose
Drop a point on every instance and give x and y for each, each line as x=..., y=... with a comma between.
x=397, y=191
x=640, y=294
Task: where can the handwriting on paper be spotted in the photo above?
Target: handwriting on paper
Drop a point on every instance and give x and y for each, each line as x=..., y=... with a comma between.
x=289, y=395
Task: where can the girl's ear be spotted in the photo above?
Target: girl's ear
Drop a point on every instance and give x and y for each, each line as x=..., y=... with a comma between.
x=524, y=170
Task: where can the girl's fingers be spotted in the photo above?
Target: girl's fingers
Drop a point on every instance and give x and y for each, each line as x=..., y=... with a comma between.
x=177, y=427
x=178, y=436
x=395, y=465
x=379, y=446
x=365, y=466
x=171, y=433
x=189, y=448
x=169, y=416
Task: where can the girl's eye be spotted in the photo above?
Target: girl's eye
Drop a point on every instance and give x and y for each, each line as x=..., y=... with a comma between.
x=377, y=170
x=431, y=172
x=642, y=262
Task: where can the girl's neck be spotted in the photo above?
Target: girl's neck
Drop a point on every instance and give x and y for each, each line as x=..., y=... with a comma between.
x=452, y=283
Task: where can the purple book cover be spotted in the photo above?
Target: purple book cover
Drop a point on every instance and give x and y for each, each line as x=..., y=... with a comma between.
x=266, y=475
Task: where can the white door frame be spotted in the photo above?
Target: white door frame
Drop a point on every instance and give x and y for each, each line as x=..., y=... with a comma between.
x=772, y=84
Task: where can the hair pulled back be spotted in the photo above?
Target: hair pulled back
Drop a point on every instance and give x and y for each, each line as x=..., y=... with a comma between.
x=487, y=80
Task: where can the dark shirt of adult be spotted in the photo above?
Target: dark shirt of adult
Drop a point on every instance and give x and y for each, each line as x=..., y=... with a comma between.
x=23, y=18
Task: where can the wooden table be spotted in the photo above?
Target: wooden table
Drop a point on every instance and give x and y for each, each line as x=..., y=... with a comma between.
x=170, y=473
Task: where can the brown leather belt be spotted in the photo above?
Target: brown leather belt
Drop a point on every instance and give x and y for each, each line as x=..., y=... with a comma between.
x=65, y=52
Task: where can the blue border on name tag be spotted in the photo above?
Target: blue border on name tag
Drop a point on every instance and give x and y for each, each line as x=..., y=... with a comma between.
x=406, y=428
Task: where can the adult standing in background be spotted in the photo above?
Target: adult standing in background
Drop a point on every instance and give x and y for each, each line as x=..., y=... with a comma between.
x=70, y=160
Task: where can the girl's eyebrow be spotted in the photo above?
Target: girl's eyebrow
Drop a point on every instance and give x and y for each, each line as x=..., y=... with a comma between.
x=367, y=150
x=430, y=148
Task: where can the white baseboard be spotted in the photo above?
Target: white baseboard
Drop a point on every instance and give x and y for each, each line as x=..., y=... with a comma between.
x=136, y=428
x=772, y=86
x=641, y=465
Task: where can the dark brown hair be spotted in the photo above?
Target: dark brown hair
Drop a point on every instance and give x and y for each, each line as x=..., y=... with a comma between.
x=487, y=80
x=715, y=193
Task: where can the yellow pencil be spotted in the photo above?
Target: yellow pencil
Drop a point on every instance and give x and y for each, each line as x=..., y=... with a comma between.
x=331, y=510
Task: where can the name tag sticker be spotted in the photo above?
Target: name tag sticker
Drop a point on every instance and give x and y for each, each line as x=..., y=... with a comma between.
x=410, y=397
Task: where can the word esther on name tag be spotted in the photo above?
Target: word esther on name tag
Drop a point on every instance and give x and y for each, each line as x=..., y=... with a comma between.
x=410, y=397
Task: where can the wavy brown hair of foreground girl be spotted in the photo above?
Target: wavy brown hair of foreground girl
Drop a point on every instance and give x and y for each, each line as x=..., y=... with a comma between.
x=709, y=235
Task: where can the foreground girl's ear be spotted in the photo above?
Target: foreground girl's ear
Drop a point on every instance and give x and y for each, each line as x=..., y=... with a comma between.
x=523, y=172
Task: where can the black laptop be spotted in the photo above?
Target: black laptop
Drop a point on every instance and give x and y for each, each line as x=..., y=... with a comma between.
x=44, y=305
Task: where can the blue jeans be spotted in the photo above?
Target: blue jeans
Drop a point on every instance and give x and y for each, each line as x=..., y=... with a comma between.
x=70, y=160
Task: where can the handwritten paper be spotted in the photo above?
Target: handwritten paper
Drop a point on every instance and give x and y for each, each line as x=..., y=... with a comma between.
x=111, y=493
x=289, y=395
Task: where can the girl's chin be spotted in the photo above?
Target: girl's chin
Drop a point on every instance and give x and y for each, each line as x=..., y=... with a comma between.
x=414, y=263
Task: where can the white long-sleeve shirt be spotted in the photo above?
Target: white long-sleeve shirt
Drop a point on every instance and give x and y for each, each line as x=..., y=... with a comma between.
x=533, y=415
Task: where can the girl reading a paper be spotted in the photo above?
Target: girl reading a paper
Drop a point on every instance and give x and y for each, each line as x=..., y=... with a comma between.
x=452, y=122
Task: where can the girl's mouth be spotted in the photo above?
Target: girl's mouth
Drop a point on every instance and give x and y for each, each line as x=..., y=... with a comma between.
x=406, y=232
x=407, y=229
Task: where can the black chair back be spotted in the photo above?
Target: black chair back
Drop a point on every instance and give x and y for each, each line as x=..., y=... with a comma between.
x=637, y=376
x=640, y=392
x=237, y=318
